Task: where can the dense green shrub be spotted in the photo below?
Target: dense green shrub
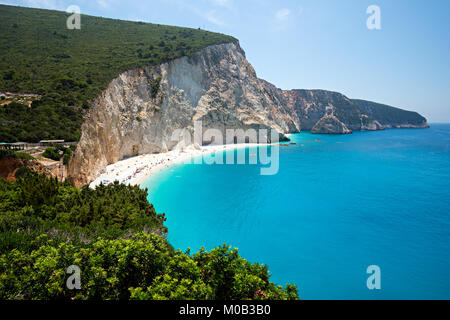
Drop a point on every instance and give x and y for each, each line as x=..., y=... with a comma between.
x=155, y=86
x=66, y=158
x=21, y=172
x=117, y=239
x=141, y=268
x=11, y=154
x=40, y=122
x=52, y=153
x=39, y=204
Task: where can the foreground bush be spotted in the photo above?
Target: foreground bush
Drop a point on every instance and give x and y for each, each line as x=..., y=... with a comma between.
x=36, y=204
x=144, y=267
x=117, y=240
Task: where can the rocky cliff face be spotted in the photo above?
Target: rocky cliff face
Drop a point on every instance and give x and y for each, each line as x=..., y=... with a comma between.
x=315, y=108
x=140, y=109
x=330, y=125
x=9, y=167
x=390, y=117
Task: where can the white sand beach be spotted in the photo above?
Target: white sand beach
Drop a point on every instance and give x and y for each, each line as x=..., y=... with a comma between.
x=133, y=171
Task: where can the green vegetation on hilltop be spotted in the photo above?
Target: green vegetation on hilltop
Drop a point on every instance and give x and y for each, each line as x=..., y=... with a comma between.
x=11, y=154
x=69, y=68
x=116, y=238
x=388, y=115
x=46, y=121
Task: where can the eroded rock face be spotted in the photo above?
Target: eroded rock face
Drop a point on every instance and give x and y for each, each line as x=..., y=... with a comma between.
x=9, y=167
x=141, y=109
x=312, y=106
x=330, y=125
x=390, y=117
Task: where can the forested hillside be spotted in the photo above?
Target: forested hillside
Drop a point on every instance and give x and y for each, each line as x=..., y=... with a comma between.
x=69, y=68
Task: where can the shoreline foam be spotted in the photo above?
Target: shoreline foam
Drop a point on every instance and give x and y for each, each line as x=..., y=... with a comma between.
x=135, y=170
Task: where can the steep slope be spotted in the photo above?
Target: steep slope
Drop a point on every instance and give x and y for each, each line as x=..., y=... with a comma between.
x=11, y=162
x=70, y=68
x=312, y=106
x=330, y=125
x=321, y=111
x=390, y=117
x=140, y=110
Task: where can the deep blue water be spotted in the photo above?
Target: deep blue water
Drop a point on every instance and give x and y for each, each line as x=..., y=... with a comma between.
x=336, y=206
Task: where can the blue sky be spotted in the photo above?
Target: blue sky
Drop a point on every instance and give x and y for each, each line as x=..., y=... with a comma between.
x=319, y=44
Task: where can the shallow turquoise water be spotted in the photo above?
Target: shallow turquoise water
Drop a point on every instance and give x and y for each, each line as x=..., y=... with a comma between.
x=336, y=206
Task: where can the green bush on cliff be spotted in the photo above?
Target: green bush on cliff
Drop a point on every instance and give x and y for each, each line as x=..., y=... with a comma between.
x=11, y=154
x=66, y=158
x=52, y=153
x=144, y=267
x=35, y=204
x=69, y=68
x=117, y=240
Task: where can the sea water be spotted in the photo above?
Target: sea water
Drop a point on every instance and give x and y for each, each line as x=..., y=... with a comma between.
x=338, y=205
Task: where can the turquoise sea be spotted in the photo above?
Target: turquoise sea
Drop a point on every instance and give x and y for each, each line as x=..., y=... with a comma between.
x=337, y=205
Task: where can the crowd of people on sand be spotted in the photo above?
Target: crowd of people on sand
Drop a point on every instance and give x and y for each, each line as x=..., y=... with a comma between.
x=124, y=171
x=141, y=169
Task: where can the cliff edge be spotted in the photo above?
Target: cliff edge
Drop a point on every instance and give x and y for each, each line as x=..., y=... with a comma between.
x=139, y=111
